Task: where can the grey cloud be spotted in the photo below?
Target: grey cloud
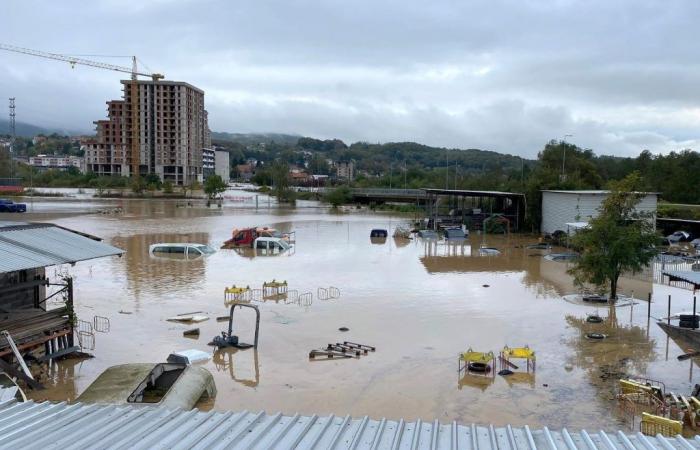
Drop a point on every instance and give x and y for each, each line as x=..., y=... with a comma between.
x=499, y=75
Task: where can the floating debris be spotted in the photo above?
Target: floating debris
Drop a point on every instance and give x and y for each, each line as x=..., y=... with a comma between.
x=593, y=318
x=505, y=372
x=595, y=336
x=195, y=317
x=192, y=332
x=343, y=329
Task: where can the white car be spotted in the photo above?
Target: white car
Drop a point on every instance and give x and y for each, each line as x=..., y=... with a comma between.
x=271, y=245
x=187, y=250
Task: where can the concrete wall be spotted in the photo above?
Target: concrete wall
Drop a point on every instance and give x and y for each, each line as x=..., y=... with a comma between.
x=558, y=207
x=221, y=165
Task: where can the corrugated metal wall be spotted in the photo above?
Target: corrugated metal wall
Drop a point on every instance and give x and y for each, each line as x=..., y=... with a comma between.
x=558, y=208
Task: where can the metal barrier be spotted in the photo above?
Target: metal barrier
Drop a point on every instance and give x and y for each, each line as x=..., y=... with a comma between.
x=333, y=292
x=306, y=299
x=101, y=324
x=86, y=340
x=322, y=293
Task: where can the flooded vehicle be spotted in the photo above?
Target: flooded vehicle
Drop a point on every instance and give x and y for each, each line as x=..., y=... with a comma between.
x=378, y=233
x=428, y=234
x=271, y=245
x=561, y=256
x=455, y=234
x=169, y=385
x=183, y=250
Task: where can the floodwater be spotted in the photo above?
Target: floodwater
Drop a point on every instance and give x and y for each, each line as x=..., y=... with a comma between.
x=420, y=303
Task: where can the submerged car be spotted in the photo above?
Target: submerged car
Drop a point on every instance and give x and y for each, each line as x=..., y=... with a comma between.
x=171, y=385
x=10, y=206
x=679, y=236
x=427, y=234
x=378, y=233
x=561, y=256
x=187, y=250
x=271, y=245
x=455, y=234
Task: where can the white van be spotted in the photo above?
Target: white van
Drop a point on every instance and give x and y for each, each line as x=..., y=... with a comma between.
x=187, y=250
x=270, y=245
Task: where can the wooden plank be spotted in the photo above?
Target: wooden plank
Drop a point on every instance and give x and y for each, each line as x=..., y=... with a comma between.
x=11, y=371
x=36, y=342
x=18, y=355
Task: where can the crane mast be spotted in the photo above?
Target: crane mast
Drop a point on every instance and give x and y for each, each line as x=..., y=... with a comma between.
x=135, y=147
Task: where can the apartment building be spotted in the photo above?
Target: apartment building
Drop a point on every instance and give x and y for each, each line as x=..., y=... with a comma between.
x=64, y=162
x=345, y=170
x=172, y=132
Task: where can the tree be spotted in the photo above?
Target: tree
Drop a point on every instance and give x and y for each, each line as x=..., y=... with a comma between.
x=213, y=186
x=338, y=196
x=137, y=185
x=280, y=183
x=620, y=239
x=167, y=187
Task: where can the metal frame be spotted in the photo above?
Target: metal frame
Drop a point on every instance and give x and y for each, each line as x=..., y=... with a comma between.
x=257, y=320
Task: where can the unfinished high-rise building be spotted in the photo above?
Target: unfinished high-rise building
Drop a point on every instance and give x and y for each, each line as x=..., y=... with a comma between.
x=172, y=130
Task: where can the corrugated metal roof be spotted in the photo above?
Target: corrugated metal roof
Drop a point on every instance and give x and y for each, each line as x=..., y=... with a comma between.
x=59, y=425
x=28, y=246
x=684, y=275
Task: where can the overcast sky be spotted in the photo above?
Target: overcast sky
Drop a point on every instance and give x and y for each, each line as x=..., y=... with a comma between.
x=620, y=76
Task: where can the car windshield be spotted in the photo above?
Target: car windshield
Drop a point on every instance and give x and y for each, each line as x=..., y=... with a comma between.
x=205, y=249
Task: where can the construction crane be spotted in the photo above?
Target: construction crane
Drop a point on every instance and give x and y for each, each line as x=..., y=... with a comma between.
x=135, y=150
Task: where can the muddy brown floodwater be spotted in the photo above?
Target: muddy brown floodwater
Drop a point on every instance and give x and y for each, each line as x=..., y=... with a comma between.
x=419, y=303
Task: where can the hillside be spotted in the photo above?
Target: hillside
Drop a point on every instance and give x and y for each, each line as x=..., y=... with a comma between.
x=255, y=138
x=29, y=130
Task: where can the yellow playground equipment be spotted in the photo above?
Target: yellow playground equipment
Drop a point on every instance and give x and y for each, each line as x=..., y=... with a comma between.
x=525, y=353
x=274, y=289
x=236, y=294
x=476, y=362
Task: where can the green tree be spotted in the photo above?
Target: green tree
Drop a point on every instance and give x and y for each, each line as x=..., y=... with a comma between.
x=280, y=183
x=620, y=239
x=213, y=186
x=137, y=185
x=338, y=196
x=167, y=187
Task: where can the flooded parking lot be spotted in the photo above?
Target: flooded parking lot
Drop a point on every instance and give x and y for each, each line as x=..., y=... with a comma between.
x=419, y=302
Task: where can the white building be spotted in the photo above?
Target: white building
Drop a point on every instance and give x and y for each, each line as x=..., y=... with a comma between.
x=208, y=162
x=45, y=162
x=560, y=208
x=221, y=165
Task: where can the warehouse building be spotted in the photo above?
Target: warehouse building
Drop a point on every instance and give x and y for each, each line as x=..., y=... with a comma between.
x=564, y=210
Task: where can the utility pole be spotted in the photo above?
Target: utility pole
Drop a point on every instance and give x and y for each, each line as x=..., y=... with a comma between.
x=447, y=169
x=405, y=185
x=563, y=159
x=13, y=133
x=456, y=172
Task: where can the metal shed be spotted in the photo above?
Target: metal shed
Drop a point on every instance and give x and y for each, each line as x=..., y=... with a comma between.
x=562, y=207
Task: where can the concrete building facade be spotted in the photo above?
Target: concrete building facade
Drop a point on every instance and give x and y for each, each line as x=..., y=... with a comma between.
x=208, y=162
x=345, y=170
x=562, y=207
x=173, y=131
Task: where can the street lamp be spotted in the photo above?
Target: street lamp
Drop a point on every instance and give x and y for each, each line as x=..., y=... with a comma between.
x=563, y=160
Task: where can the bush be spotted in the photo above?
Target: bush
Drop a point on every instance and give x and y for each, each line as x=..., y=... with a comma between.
x=338, y=196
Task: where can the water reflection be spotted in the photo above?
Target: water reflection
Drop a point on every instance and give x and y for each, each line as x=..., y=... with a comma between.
x=233, y=360
x=479, y=382
x=146, y=274
x=626, y=350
